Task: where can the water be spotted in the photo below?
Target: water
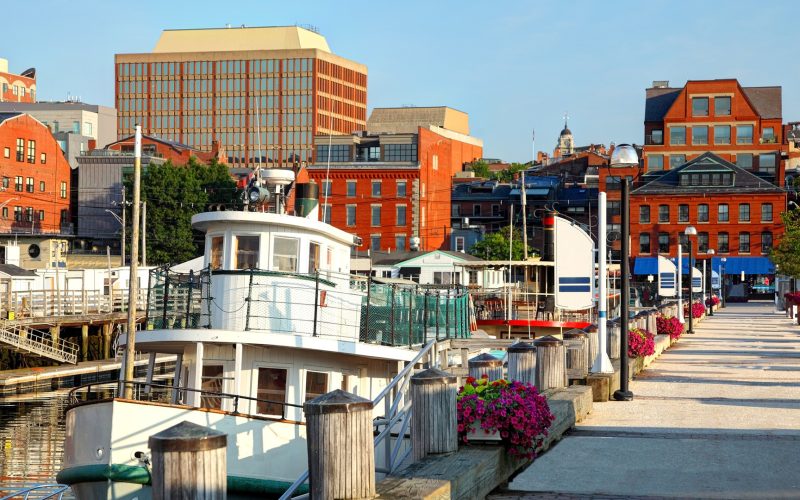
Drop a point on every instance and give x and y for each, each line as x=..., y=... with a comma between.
x=32, y=438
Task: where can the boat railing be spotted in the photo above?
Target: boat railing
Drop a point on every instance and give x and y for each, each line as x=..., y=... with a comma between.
x=164, y=393
x=521, y=303
x=393, y=426
x=37, y=491
x=324, y=304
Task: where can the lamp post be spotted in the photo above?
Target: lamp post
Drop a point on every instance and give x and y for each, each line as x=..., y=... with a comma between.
x=723, y=260
x=624, y=155
x=710, y=254
x=689, y=232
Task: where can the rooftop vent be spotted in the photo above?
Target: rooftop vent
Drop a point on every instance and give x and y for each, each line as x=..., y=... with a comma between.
x=660, y=84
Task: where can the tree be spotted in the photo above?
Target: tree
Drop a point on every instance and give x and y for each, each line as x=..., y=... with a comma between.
x=481, y=169
x=494, y=246
x=786, y=256
x=216, y=181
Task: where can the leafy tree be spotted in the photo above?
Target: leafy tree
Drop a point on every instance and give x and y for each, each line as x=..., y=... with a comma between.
x=494, y=246
x=786, y=255
x=216, y=181
x=481, y=169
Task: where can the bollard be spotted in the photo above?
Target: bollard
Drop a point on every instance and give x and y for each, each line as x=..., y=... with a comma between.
x=189, y=461
x=651, y=322
x=576, y=343
x=488, y=364
x=434, y=423
x=594, y=343
x=613, y=341
x=341, y=453
x=522, y=363
x=551, y=360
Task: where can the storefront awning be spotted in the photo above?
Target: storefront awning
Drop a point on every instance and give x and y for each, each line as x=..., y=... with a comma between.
x=748, y=265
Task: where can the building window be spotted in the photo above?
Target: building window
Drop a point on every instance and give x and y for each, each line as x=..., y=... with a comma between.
x=401, y=189
x=663, y=242
x=326, y=213
x=29, y=184
x=20, y=149
x=613, y=208
x=375, y=242
x=722, y=106
x=683, y=213
x=87, y=129
x=376, y=189
x=677, y=135
x=400, y=242
x=6, y=152
x=766, y=212
x=18, y=214
x=702, y=212
x=722, y=213
x=217, y=251
x=676, y=160
x=766, y=242
x=41, y=215
x=271, y=387
x=744, y=242
x=663, y=213
x=744, y=160
x=657, y=136
x=459, y=244
x=284, y=254
x=31, y=151
x=64, y=216
x=6, y=182
x=339, y=153
x=316, y=384
x=375, y=216
x=29, y=214
x=42, y=186
x=326, y=187
x=246, y=252
x=766, y=163
x=722, y=134
x=744, y=212
x=702, y=242
x=455, y=210
x=722, y=242
x=400, y=152
x=351, y=189
x=644, y=243
x=5, y=212
x=495, y=210
x=768, y=135
x=700, y=134
x=476, y=210
x=76, y=127
x=18, y=180
x=699, y=106
x=655, y=162
x=63, y=192
x=401, y=215
x=350, y=215
x=43, y=158
x=644, y=214
x=683, y=241
x=744, y=134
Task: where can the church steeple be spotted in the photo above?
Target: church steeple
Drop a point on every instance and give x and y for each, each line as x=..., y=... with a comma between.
x=566, y=144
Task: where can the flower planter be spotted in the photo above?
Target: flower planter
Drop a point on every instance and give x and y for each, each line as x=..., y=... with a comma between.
x=481, y=435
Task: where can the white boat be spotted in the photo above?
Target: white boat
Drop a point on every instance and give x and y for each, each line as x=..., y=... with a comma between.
x=273, y=319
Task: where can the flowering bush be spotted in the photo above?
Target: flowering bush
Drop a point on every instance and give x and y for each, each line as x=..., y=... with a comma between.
x=712, y=301
x=698, y=310
x=792, y=297
x=514, y=410
x=671, y=326
x=641, y=343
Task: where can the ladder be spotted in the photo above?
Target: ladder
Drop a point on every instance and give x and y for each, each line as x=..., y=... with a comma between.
x=36, y=342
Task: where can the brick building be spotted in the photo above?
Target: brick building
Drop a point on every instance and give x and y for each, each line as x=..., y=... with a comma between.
x=263, y=93
x=394, y=184
x=36, y=178
x=17, y=88
x=173, y=151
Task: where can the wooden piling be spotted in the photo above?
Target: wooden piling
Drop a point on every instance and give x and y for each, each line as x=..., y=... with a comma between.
x=522, y=363
x=341, y=453
x=55, y=335
x=107, y=340
x=189, y=462
x=486, y=364
x=576, y=343
x=593, y=335
x=85, y=342
x=433, y=417
x=551, y=360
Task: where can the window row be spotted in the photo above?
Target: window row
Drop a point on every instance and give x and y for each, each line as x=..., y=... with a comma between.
x=723, y=242
x=298, y=65
x=767, y=162
x=721, y=134
x=376, y=188
x=723, y=214
x=21, y=151
x=376, y=212
x=400, y=242
x=285, y=254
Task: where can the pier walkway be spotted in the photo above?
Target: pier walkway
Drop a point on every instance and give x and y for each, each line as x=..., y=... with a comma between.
x=716, y=416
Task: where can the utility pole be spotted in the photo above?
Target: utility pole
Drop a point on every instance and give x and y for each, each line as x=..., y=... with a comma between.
x=123, y=226
x=144, y=233
x=133, y=283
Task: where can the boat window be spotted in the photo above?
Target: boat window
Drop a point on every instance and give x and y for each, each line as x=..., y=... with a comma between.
x=316, y=384
x=246, y=252
x=217, y=251
x=271, y=391
x=313, y=257
x=284, y=254
x=212, y=381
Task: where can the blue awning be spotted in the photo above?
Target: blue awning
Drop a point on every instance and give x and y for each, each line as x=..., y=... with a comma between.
x=750, y=265
x=645, y=265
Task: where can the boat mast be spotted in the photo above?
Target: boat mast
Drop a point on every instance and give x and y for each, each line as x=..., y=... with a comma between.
x=133, y=282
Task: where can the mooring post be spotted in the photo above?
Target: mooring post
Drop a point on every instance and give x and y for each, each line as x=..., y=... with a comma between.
x=551, y=360
x=84, y=342
x=522, y=363
x=341, y=453
x=434, y=423
x=189, y=461
x=576, y=343
x=486, y=364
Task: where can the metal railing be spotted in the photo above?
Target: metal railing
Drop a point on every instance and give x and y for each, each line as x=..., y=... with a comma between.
x=519, y=304
x=46, y=303
x=397, y=412
x=24, y=339
x=37, y=491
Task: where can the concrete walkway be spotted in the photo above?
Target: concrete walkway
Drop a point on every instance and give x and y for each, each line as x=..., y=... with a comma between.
x=716, y=416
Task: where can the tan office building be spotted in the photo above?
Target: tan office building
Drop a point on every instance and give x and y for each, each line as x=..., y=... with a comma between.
x=263, y=93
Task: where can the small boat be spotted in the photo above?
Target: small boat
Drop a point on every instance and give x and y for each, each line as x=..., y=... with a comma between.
x=272, y=319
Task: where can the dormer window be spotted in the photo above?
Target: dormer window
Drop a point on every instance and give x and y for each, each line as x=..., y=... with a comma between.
x=699, y=106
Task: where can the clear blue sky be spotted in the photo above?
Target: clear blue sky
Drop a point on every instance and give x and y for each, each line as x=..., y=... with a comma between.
x=512, y=65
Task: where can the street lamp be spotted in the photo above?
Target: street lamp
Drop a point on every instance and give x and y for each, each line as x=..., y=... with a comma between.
x=624, y=155
x=689, y=232
x=722, y=280
x=710, y=254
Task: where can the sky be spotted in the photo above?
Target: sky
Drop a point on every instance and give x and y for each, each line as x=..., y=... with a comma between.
x=514, y=66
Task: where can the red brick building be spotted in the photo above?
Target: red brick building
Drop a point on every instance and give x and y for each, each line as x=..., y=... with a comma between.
x=17, y=88
x=173, y=151
x=390, y=187
x=35, y=178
